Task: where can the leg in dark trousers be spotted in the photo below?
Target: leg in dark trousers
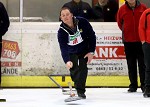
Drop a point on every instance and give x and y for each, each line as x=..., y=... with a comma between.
x=132, y=65
x=141, y=64
x=134, y=56
x=146, y=49
x=79, y=72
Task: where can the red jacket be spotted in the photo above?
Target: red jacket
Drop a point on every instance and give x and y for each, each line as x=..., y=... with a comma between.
x=144, y=26
x=128, y=21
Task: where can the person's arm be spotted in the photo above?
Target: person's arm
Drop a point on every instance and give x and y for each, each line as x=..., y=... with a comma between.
x=115, y=9
x=119, y=19
x=89, y=12
x=62, y=39
x=97, y=14
x=92, y=42
x=64, y=49
x=142, y=29
x=91, y=37
x=4, y=20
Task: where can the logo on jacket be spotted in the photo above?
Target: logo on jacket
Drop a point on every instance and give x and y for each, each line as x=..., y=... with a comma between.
x=75, y=39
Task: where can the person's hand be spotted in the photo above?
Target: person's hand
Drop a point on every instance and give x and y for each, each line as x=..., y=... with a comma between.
x=89, y=56
x=143, y=42
x=69, y=64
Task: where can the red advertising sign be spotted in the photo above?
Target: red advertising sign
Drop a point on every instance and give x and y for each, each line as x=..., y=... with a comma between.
x=11, y=64
x=10, y=49
x=109, y=52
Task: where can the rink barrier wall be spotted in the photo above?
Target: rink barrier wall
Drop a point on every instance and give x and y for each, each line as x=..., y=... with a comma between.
x=31, y=52
x=44, y=81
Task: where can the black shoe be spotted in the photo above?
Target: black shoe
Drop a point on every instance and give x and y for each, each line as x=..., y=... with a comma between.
x=143, y=89
x=82, y=95
x=131, y=90
x=147, y=92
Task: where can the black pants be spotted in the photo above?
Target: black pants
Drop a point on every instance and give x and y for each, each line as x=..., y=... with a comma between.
x=146, y=50
x=134, y=56
x=79, y=72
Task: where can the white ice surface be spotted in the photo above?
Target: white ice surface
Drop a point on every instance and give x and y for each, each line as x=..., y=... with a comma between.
x=96, y=97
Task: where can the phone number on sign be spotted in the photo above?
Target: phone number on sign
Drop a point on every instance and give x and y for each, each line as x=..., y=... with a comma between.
x=109, y=68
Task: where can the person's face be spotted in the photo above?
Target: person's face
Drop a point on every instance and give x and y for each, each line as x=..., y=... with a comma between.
x=66, y=16
x=102, y=2
x=131, y=1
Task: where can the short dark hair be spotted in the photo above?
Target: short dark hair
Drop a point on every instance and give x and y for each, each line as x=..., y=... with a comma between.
x=66, y=7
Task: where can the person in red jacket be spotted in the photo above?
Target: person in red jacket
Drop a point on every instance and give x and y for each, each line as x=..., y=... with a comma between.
x=128, y=20
x=144, y=33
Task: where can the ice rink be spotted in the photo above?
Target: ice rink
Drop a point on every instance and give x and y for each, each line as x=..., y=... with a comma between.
x=53, y=97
